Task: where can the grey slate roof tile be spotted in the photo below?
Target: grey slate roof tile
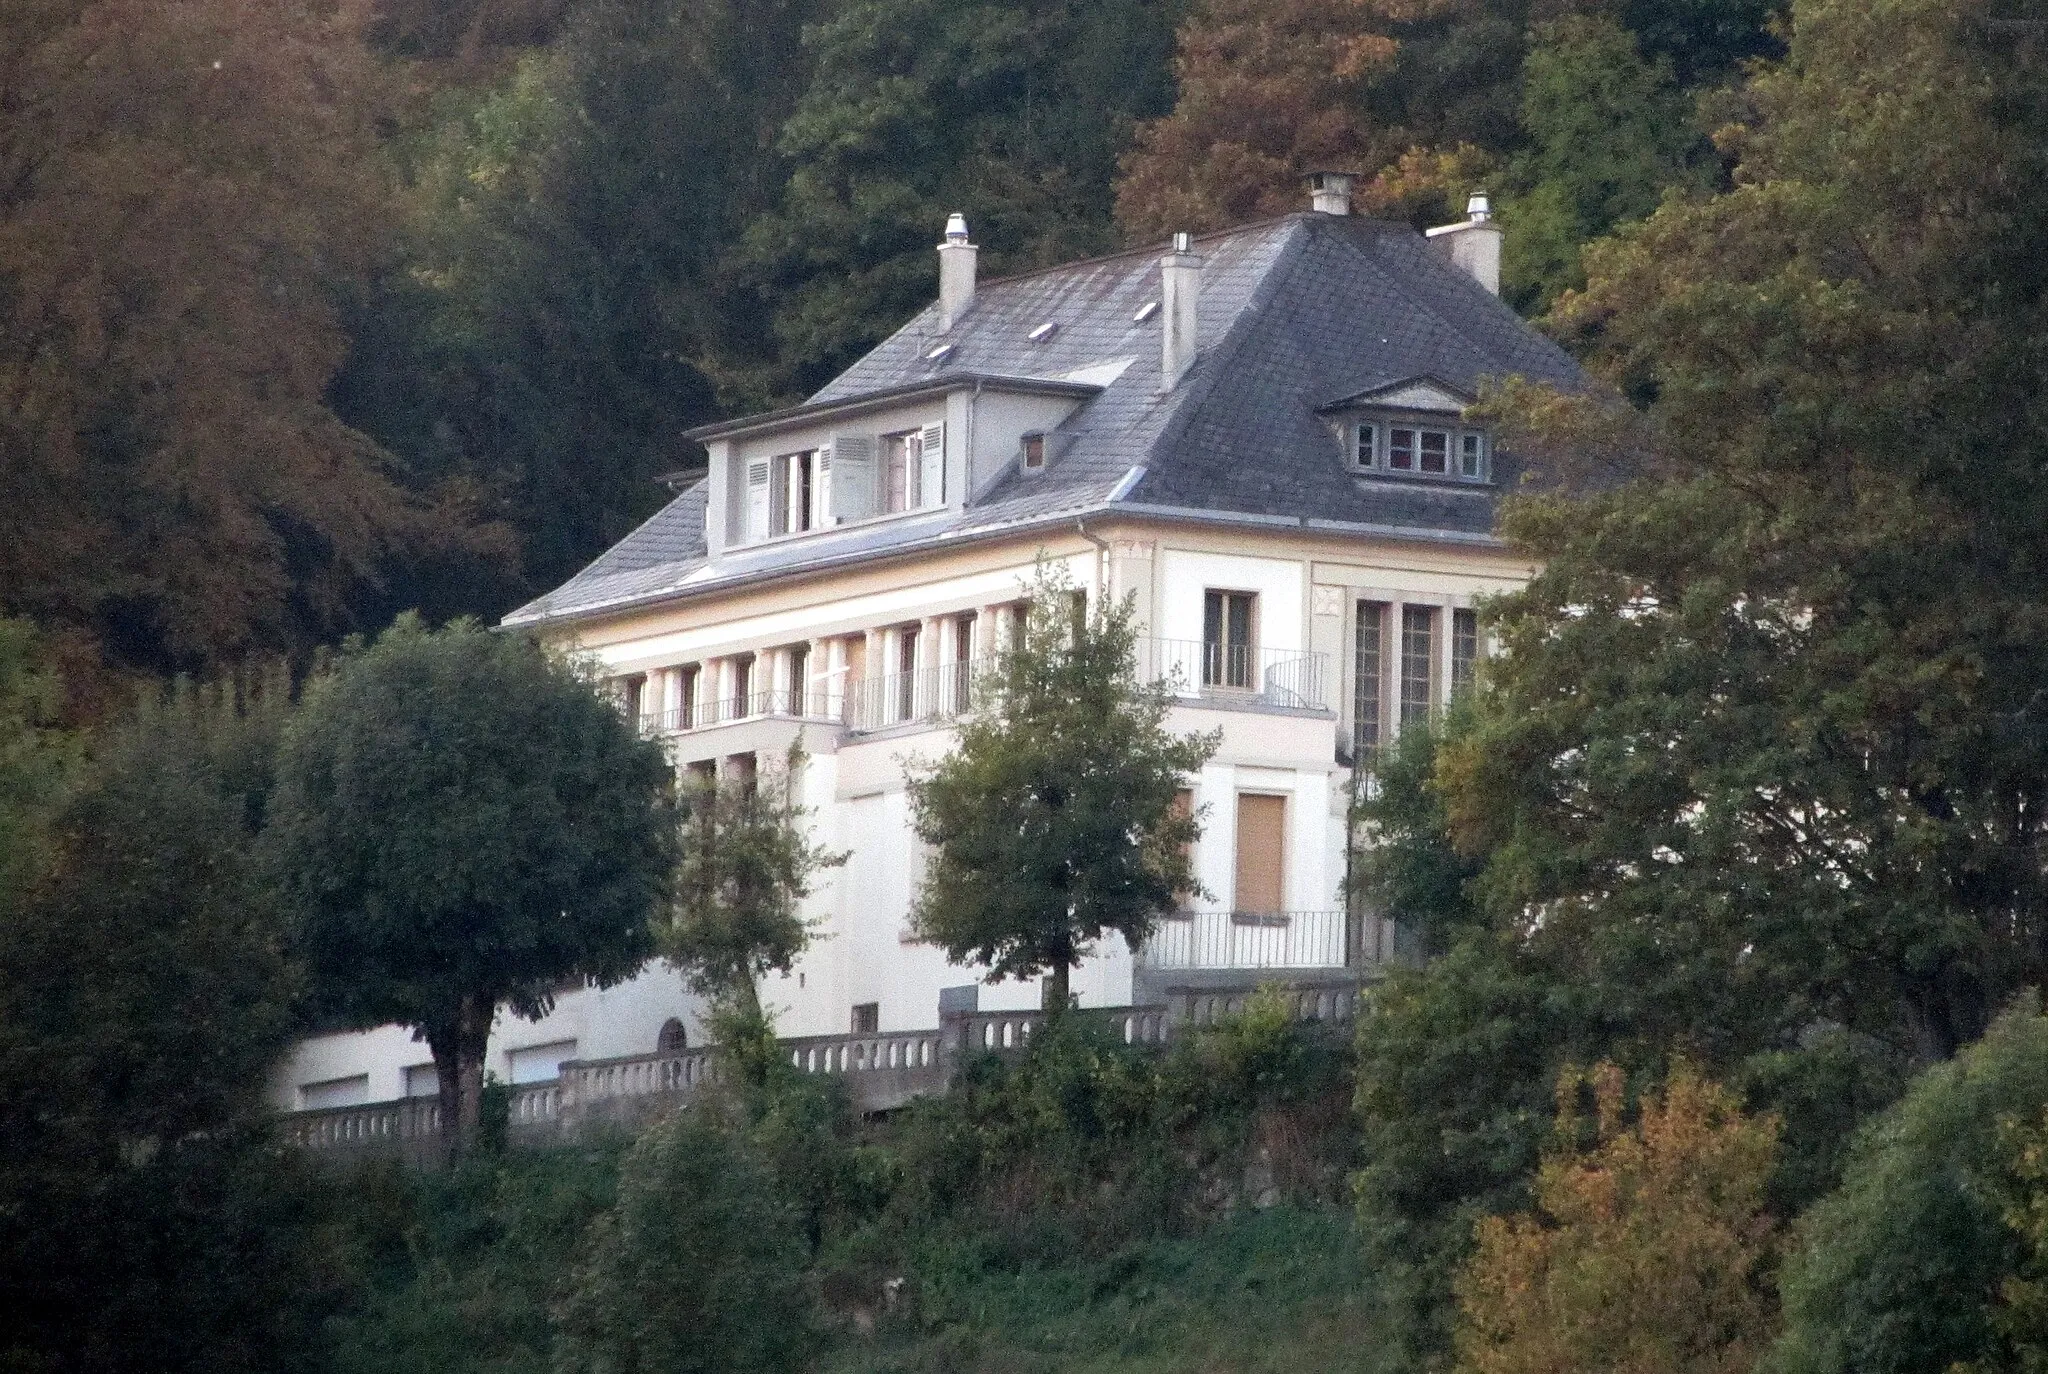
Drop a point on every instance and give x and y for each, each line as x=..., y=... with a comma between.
x=1295, y=313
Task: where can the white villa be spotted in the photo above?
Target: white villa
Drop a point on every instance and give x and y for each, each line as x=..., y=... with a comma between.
x=1258, y=434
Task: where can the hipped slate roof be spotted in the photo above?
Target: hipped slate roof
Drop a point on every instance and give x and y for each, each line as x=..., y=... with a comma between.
x=1296, y=314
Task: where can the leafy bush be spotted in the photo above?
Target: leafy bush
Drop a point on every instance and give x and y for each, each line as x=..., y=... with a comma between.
x=1899, y=1268
x=699, y=1267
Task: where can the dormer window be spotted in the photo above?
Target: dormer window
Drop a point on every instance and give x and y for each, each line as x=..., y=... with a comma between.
x=1419, y=448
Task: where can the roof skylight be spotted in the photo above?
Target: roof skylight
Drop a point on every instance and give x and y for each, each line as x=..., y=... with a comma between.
x=1044, y=331
x=938, y=353
x=1145, y=312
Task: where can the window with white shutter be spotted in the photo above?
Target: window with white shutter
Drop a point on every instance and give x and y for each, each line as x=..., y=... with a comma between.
x=852, y=493
x=760, y=488
x=931, y=466
x=821, y=489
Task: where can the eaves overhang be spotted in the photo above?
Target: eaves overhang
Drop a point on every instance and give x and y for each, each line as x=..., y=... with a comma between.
x=995, y=533
x=942, y=385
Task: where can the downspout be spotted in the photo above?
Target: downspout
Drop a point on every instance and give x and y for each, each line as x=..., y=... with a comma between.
x=1101, y=559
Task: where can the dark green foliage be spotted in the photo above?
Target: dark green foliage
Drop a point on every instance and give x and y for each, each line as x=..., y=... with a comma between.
x=1279, y=1291
x=456, y=1269
x=33, y=754
x=1053, y=824
x=1012, y=113
x=698, y=1269
x=143, y=994
x=1608, y=133
x=1404, y=866
x=461, y=822
x=559, y=315
x=746, y=867
x=1900, y=1269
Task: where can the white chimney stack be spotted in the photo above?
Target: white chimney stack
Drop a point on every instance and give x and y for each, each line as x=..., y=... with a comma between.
x=1474, y=245
x=956, y=271
x=1330, y=192
x=1180, y=287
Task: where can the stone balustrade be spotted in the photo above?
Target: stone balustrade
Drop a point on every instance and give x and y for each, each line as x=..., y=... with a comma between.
x=880, y=1072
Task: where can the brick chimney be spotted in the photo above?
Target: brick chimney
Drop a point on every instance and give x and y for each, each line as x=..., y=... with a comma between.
x=956, y=271
x=1474, y=245
x=1180, y=288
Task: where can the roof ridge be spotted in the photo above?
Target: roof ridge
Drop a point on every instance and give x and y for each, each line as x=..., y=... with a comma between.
x=1233, y=340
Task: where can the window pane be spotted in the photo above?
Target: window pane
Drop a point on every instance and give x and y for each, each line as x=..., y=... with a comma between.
x=896, y=471
x=1365, y=694
x=1436, y=449
x=1368, y=445
x=1472, y=455
x=1401, y=449
x=1464, y=648
x=1418, y=643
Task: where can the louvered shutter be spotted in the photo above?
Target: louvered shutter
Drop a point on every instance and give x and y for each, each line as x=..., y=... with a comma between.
x=760, y=485
x=931, y=466
x=853, y=476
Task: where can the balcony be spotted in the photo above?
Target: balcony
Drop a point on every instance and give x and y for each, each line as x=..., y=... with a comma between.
x=1238, y=673
x=1246, y=940
x=1242, y=675
x=704, y=714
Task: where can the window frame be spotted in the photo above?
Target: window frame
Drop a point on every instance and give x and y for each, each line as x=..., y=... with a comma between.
x=1370, y=450
x=1230, y=664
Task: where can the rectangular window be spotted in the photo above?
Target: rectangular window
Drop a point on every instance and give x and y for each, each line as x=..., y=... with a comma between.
x=1227, y=639
x=799, y=678
x=1367, y=453
x=1464, y=648
x=1472, y=456
x=742, y=687
x=796, y=496
x=422, y=1080
x=539, y=1063
x=1436, y=451
x=686, y=704
x=906, y=673
x=1034, y=452
x=1368, y=688
x=632, y=692
x=898, y=465
x=867, y=1018
x=1418, y=660
x=1401, y=449
x=335, y=1092
x=1261, y=850
x=963, y=662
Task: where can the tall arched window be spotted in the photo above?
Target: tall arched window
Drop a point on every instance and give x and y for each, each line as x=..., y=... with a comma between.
x=673, y=1039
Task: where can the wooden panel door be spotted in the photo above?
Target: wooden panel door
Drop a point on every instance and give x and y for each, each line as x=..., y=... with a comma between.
x=1261, y=853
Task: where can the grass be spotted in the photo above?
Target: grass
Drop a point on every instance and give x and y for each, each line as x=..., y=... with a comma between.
x=1283, y=1291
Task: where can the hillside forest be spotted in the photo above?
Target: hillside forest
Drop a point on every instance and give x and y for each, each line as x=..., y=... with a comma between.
x=319, y=311
x=1720, y=1044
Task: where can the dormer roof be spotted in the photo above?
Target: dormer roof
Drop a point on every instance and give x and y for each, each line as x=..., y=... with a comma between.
x=1293, y=312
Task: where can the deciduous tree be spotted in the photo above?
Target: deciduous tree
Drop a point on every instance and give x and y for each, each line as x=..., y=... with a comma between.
x=144, y=993
x=462, y=823
x=1648, y=1247
x=747, y=865
x=187, y=183
x=1054, y=823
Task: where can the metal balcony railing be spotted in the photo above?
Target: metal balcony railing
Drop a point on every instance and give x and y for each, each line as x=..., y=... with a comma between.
x=703, y=713
x=1196, y=671
x=1237, y=939
x=935, y=692
x=1242, y=672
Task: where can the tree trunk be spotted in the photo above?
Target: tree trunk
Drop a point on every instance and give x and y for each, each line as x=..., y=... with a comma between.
x=747, y=998
x=1059, y=999
x=458, y=1049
